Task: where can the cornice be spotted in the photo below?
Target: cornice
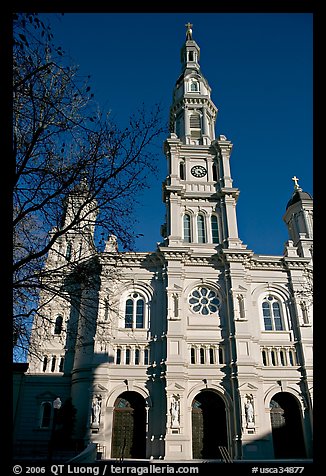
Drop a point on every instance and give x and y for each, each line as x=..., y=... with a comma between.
x=194, y=100
x=130, y=259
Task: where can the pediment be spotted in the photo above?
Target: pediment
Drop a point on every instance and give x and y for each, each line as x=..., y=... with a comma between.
x=247, y=387
x=239, y=289
x=179, y=288
x=99, y=388
x=47, y=396
x=174, y=386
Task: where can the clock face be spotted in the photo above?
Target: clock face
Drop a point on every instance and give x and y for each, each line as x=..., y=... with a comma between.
x=198, y=171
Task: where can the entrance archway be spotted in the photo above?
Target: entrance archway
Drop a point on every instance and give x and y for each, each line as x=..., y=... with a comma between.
x=129, y=427
x=287, y=430
x=209, y=427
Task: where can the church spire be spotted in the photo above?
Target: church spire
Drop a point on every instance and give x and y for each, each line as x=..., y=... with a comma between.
x=193, y=113
x=190, y=52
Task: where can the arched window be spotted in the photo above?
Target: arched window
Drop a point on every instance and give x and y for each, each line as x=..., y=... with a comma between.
x=137, y=353
x=201, y=229
x=211, y=356
x=68, y=251
x=53, y=363
x=186, y=228
x=129, y=314
x=273, y=357
x=264, y=357
x=192, y=355
x=282, y=357
x=118, y=357
x=140, y=313
x=194, y=86
x=202, y=355
x=127, y=356
x=146, y=357
x=220, y=356
x=214, y=168
x=58, y=325
x=61, y=365
x=215, y=235
x=292, y=358
x=135, y=312
x=272, y=314
x=45, y=363
x=46, y=409
x=182, y=170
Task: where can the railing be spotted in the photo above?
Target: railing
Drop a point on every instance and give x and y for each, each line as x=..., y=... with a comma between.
x=39, y=450
x=100, y=452
x=31, y=450
x=225, y=454
x=87, y=456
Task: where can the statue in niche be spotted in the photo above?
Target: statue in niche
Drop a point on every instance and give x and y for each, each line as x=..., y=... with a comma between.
x=111, y=244
x=175, y=411
x=249, y=411
x=175, y=305
x=241, y=306
x=96, y=411
x=304, y=311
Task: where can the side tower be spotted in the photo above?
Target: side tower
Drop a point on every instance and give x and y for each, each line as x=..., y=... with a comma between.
x=299, y=220
x=72, y=250
x=63, y=331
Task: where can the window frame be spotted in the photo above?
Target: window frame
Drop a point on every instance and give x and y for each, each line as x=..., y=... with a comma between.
x=59, y=325
x=273, y=318
x=217, y=229
x=200, y=221
x=42, y=411
x=194, y=84
x=185, y=238
x=201, y=303
x=135, y=319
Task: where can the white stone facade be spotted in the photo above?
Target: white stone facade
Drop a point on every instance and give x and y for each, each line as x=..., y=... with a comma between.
x=200, y=330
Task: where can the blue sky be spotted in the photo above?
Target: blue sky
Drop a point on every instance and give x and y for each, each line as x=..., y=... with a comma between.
x=260, y=69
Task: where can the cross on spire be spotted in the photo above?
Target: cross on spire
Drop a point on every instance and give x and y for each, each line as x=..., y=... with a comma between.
x=189, y=31
x=296, y=180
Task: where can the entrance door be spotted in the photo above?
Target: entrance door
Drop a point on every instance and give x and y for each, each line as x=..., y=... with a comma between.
x=209, y=429
x=129, y=427
x=287, y=428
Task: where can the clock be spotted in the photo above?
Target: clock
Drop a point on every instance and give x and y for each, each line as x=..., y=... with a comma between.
x=198, y=171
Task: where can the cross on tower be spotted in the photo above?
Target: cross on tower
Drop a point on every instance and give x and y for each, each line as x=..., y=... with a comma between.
x=296, y=180
x=189, y=31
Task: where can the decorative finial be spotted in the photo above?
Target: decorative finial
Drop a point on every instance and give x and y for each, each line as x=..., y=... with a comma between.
x=189, y=31
x=296, y=185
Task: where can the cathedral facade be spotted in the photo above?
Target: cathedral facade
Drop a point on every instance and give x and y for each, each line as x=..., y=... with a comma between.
x=198, y=350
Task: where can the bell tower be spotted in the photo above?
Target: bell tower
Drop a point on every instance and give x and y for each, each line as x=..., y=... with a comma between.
x=198, y=192
x=299, y=220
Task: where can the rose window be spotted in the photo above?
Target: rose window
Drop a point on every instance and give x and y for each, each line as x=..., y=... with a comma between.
x=204, y=301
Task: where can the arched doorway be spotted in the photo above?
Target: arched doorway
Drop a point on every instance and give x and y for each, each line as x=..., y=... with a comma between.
x=287, y=431
x=129, y=427
x=209, y=427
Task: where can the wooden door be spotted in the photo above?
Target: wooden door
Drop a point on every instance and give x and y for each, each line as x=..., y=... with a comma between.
x=129, y=427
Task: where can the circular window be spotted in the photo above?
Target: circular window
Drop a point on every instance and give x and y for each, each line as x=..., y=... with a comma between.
x=204, y=301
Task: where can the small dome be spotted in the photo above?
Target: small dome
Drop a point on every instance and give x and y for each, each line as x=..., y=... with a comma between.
x=297, y=196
